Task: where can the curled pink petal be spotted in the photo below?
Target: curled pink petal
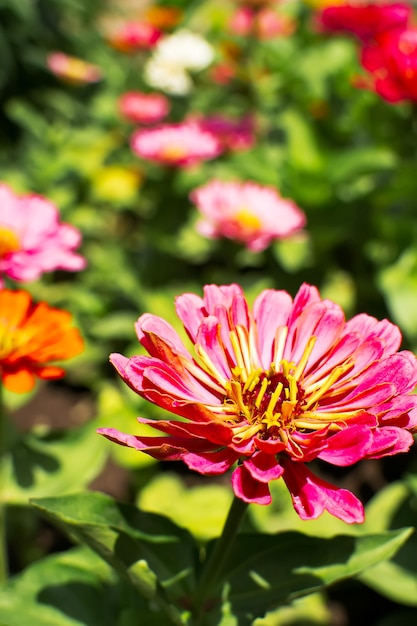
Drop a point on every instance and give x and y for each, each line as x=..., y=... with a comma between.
x=312, y=496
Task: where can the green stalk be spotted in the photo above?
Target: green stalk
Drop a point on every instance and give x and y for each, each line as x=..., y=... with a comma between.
x=3, y=539
x=218, y=558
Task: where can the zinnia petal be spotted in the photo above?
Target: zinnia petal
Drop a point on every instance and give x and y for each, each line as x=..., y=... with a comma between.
x=272, y=390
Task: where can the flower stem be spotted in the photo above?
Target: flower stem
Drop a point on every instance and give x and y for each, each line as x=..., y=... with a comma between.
x=218, y=557
x=3, y=542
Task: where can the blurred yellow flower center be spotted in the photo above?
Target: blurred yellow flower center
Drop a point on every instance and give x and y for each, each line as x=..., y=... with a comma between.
x=76, y=70
x=8, y=241
x=247, y=220
x=173, y=152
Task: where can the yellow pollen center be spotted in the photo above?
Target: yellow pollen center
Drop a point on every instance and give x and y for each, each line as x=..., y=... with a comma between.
x=173, y=152
x=8, y=241
x=247, y=221
x=275, y=404
x=265, y=402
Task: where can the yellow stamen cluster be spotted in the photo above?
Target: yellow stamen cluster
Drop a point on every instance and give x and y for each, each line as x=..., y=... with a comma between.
x=273, y=403
x=8, y=241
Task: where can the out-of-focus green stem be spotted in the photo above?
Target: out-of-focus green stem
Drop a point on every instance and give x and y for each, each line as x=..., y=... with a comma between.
x=218, y=558
x=3, y=539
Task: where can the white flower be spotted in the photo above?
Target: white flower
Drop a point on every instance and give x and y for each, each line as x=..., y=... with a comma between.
x=186, y=50
x=171, y=79
x=173, y=56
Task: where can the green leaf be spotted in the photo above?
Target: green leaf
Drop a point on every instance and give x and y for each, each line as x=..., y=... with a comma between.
x=267, y=570
x=303, y=150
x=346, y=166
x=398, y=283
x=72, y=589
x=41, y=463
x=393, y=506
x=202, y=510
x=148, y=549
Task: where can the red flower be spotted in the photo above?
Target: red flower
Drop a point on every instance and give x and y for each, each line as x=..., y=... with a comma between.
x=132, y=36
x=31, y=337
x=365, y=21
x=271, y=390
x=392, y=62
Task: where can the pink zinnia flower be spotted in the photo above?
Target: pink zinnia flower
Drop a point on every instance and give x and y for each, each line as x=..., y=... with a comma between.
x=392, y=63
x=32, y=240
x=143, y=108
x=365, y=21
x=271, y=390
x=234, y=134
x=132, y=36
x=264, y=23
x=72, y=70
x=242, y=21
x=246, y=212
x=176, y=144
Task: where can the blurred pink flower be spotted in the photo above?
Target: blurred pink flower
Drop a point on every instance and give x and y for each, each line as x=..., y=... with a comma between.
x=242, y=21
x=261, y=23
x=234, y=134
x=72, y=70
x=143, y=108
x=129, y=37
x=392, y=63
x=272, y=389
x=32, y=240
x=246, y=212
x=178, y=145
x=270, y=24
x=364, y=20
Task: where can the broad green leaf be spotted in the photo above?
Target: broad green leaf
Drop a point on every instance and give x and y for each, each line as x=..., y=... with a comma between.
x=46, y=463
x=265, y=571
x=304, y=611
x=202, y=510
x=394, y=506
x=294, y=253
x=75, y=588
x=303, y=150
x=346, y=166
x=157, y=556
x=398, y=283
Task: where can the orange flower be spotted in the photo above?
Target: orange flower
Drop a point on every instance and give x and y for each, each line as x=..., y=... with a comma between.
x=31, y=337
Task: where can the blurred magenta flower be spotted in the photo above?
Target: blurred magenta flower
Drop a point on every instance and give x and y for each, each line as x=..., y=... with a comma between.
x=178, y=145
x=234, y=134
x=73, y=70
x=246, y=212
x=32, y=240
x=272, y=389
x=143, y=108
x=132, y=36
x=392, y=63
x=33, y=336
x=364, y=20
